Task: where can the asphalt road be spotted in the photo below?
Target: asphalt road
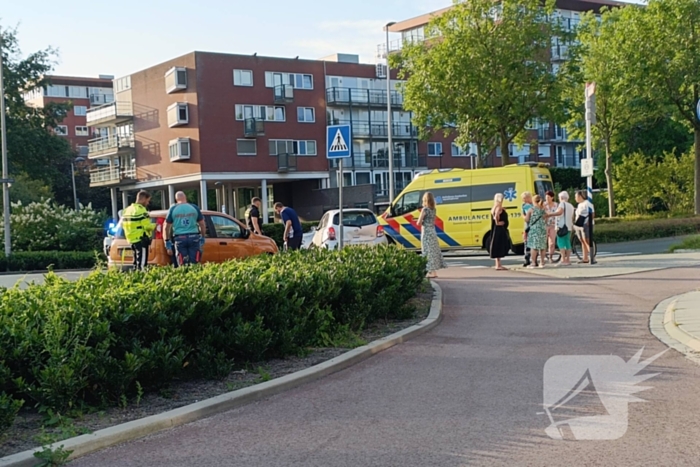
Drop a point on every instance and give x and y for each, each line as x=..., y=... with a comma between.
x=469, y=392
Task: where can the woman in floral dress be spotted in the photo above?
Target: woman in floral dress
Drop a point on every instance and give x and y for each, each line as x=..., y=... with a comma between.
x=537, y=237
x=428, y=238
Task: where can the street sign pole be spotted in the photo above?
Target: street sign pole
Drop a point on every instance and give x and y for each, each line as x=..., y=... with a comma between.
x=338, y=146
x=590, y=121
x=5, y=185
x=340, y=204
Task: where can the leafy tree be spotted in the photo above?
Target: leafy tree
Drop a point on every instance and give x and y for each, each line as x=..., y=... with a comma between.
x=654, y=137
x=32, y=147
x=28, y=190
x=636, y=178
x=664, y=63
x=598, y=56
x=484, y=72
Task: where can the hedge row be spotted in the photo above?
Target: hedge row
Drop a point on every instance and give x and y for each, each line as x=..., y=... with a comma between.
x=275, y=231
x=624, y=231
x=43, y=260
x=67, y=345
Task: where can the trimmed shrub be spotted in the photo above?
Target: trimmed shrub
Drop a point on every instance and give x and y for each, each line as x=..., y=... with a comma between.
x=275, y=231
x=612, y=231
x=71, y=344
x=43, y=260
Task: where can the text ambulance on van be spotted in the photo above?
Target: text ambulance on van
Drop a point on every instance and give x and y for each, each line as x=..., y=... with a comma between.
x=464, y=200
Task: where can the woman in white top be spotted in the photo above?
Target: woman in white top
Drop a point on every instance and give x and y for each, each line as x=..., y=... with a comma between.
x=564, y=215
x=584, y=209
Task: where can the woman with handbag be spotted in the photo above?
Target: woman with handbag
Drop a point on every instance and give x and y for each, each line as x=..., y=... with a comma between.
x=551, y=206
x=565, y=225
x=584, y=213
x=537, y=237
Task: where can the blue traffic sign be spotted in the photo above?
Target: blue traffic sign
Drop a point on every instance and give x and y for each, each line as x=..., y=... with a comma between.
x=339, y=141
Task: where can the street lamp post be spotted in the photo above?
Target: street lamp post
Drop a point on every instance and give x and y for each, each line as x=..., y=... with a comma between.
x=5, y=183
x=388, y=113
x=75, y=195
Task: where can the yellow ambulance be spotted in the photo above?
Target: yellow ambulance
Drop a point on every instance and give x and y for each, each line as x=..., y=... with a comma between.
x=464, y=200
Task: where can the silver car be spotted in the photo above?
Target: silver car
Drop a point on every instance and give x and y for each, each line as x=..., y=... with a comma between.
x=360, y=227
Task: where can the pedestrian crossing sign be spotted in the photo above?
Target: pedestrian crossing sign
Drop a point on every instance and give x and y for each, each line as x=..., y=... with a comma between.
x=339, y=141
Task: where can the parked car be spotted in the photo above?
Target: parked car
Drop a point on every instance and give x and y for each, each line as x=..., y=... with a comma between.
x=226, y=238
x=360, y=227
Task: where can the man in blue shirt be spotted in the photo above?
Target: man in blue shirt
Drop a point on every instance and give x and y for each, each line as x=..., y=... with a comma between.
x=188, y=230
x=292, y=227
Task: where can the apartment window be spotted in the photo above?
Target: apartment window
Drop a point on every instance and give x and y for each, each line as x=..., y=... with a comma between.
x=82, y=151
x=178, y=114
x=306, y=114
x=305, y=148
x=434, y=149
x=242, y=78
x=56, y=91
x=272, y=113
x=457, y=151
x=179, y=149
x=281, y=146
x=61, y=130
x=80, y=110
x=175, y=79
x=246, y=147
x=122, y=84
x=296, y=80
x=79, y=92
x=82, y=131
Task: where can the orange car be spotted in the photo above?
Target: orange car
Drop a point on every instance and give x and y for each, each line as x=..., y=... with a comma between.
x=226, y=238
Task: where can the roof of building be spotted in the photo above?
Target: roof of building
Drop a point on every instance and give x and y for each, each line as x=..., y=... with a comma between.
x=79, y=81
x=575, y=5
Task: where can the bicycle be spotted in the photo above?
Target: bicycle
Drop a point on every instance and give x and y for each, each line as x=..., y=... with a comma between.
x=576, y=249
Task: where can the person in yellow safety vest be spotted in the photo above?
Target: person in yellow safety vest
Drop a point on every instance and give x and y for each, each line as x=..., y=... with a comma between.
x=138, y=228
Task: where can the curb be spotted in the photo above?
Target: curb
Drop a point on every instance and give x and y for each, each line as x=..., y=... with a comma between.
x=687, y=251
x=41, y=271
x=663, y=325
x=119, y=434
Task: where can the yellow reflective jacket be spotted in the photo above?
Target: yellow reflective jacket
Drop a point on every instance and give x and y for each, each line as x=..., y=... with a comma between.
x=136, y=223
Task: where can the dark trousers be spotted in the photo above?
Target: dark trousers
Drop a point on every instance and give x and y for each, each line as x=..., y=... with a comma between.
x=294, y=243
x=140, y=250
x=187, y=249
x=528, y=256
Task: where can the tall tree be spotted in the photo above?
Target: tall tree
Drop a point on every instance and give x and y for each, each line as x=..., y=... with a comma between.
x=32, y=147
x=598, y=56
x=664, y=63
x=485, y=71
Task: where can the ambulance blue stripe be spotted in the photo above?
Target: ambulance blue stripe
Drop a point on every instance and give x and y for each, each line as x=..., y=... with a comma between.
x=399, y=238
x=413, y=230
x=446, y=238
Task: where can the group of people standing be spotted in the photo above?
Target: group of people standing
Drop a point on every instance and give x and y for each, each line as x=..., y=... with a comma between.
x=548, y=225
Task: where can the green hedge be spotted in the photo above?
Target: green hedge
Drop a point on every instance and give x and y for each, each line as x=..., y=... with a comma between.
x=42, y=260
x=275, y=231
x=67, y=345
x=621, y=230
x=569, y=179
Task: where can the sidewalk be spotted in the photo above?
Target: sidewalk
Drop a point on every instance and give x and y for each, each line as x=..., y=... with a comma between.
x=676, y=322
x=617, y=266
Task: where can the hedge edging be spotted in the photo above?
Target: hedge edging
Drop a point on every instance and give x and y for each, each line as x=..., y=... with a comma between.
x=626, y=231
x=29, y=261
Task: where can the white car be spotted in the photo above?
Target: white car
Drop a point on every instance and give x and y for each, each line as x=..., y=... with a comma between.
x=360, y=227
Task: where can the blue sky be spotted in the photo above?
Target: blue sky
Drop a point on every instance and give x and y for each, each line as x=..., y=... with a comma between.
x=124, y=36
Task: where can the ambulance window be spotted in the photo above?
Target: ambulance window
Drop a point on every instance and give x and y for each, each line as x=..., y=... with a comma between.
x=541, y=188
x=407, y=203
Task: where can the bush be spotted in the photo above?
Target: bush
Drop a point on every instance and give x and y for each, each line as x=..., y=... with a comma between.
x=275, y=231
x=691, y=243
x=48, y=226
x=625, y=230
x=568, y=179
x=71, y=344
x=43, y=260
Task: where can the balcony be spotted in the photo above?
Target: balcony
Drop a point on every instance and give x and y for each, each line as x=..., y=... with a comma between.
x=101, y=99
x=104, y=176
x=365, y=129
x=380, y=160
x=283, y=94
x=286, y=163
x=253, y=127
x=362, y=97
x=109, y=114
x=109, y=145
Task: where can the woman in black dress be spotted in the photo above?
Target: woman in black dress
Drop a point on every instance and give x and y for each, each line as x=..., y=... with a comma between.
x=500, y=238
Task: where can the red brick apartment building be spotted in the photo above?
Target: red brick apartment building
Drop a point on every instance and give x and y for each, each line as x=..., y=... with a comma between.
x=554, y=145
x=83, y=94
x=243, y=126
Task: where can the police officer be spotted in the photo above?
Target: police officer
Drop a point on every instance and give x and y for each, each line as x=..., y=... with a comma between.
x=138, y=228
x=186, y=224
x=252, y=216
